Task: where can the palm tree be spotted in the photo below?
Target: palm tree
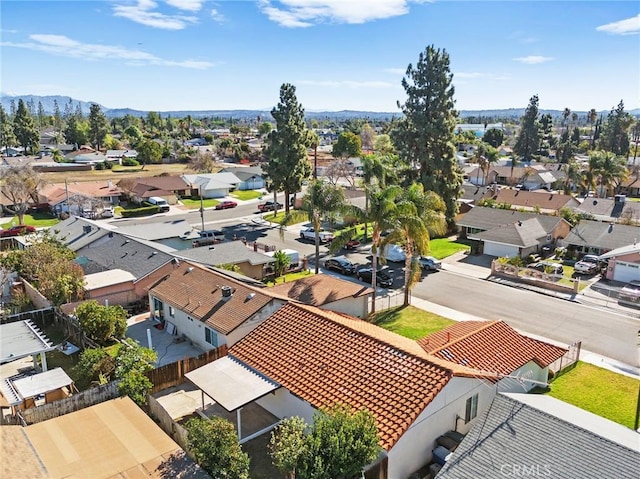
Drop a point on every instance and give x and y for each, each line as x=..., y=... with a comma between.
x=572, y=176
x=611, y=170
x=418, y=214
x=280, y=263
x=565, y=116
x=379, y=170
x=313, y=142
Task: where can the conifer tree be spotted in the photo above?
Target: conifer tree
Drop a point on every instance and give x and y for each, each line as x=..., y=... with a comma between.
x=24, y=129
x=529, y=137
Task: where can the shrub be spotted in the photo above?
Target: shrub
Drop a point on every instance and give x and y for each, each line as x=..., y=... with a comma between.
x=143, y=211
x=95, y=363
x=99, y=166
x=130, y=162
x=99, y=322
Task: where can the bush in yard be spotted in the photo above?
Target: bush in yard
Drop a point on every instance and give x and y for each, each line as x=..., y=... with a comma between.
x=132, y=362
x=130, y=162
x=95, y=364
x=214, y=445
x=143, y=211
x=99, y=322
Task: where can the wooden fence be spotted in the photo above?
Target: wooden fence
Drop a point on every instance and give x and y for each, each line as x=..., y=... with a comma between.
x=173, y=374
x=166, y=422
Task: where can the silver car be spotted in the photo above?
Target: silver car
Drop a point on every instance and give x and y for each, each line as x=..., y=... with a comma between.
x=429, y=263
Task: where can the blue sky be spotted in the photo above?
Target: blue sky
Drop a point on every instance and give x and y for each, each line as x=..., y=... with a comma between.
x=340, y=54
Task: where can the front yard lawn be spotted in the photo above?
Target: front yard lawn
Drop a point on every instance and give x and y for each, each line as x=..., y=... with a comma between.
x=600, y=391
x=39, y=220
x=295, y=217
x=194, y=204
x=246, y=194
x=290, y=277
x=443, y=247
x=411, y=322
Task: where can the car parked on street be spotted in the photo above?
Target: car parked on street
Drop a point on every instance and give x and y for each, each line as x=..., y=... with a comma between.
x=429, y=263
x=392, y=252
x=383, y=278
x=269, y=206
x=340, y=264
x=17, y=230
x=310, y=235
x=587, y=265
x=223, y=205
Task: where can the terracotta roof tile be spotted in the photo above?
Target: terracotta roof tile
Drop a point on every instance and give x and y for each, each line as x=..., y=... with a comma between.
x=489, y=346
x=198, y=292
x=321, y=289
x=323, y=358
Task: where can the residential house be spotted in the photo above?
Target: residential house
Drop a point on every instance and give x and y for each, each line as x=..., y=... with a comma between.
x=90, y=158
x=251, y=177
x=618, y=209
x=596, y=237
x=302, y=358
x=509, y=233
x=252, y=264
x=116, y=156
x=631, y=186
x=78, y=197
x=534, y=435
x=623, y=263
x=76, y=232
x=112, y=439
x=536, y=201
x=530, y=178
x=171, y=188
x=328, y=292
x=207, y=307
x=168, y=236
x=114, y=286
x=521, y=362
x=213, y=185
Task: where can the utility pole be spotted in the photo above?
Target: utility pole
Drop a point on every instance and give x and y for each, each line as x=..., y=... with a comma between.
x=201, y=206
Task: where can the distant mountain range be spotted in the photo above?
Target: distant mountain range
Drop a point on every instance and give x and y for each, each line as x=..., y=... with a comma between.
x=48, y=105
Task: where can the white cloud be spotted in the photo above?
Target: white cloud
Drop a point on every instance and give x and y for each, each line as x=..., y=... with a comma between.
x=142, y=13
x=628, y=26
x=190, y=5
x=533, y=59
x=305, y=13
x=346, y=84
x=61, y=45
x=217, y=16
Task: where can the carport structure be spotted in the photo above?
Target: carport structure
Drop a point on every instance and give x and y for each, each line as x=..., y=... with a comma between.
x=233, y=385
x=21, y=339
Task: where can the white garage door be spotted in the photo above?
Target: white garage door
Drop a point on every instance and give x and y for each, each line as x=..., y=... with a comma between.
x=497, y=249
x=626, y=272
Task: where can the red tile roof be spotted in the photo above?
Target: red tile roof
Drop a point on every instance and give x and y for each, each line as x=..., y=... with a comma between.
x=491, y=346
x=198, y=292
x=324, y=358
x=321, y=289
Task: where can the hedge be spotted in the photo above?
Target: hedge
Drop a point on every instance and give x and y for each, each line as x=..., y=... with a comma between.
x=144, y=211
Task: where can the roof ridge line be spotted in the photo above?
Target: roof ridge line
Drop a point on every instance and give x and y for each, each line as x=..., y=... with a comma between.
x=482, y=328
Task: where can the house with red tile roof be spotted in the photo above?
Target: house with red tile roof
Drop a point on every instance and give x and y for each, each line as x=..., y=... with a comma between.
x=302, y=358
x=80, y=195
x=168, y=187
x=494, y=346
x=208, y=307
x=328, y=292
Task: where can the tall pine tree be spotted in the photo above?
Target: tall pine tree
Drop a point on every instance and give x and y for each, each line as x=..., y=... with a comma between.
x=98, y=126
x=614, y=136
x=425, y=136
x=529, y=137
x=24, y=129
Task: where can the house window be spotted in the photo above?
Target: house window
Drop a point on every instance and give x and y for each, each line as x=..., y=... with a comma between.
x=211, y=337
x=172, y=311
x=471, y=410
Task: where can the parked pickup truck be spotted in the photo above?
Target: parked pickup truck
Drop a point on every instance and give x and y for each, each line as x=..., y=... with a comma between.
x=587, y=265
x=310, y=235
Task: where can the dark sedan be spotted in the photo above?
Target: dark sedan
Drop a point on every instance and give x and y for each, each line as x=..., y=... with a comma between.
x=223, y=205
x=383, y=278
x=340, y=264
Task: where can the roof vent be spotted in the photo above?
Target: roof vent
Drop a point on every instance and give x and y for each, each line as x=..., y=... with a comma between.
x=189, y=269
x=610, y=227
x=86, y=229
x=153, y=253
x=253, y=295
x=227, y=292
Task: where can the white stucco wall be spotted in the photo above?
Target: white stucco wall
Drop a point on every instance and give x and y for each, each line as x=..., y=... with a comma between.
x=353, y=306
x=529, y=371
x=282, y=403
x=253, y=322
x=414, y=449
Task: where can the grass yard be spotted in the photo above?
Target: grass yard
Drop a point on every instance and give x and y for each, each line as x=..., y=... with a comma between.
x=39, y=220
x=600, y=391
x=443, y=247
x=295, y=217
x=195, y=204
x=245, y=195
x=290, y=277
x=411, y=322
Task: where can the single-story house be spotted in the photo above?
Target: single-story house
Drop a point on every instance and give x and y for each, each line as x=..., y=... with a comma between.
x=623, y=263
x=596, y=237
x=114, y=285
x=535, y=435
x=112, y=439
x=168, y=187
x=618, y=209
x=251, y=177
x=303, y=358
x=213, y=185
x=116, y=156
x=207, y=307
x=92, y=158
x=328, y=292
x=167, y=236
x=251, y=263
x=81, y=195
x=76, y=232
x=537, y=201
x=631, y=186
x=521, y=362
x=530, y=178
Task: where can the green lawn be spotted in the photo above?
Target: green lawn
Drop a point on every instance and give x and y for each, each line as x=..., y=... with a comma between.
x=599, y=391
x=290, y=277
x=39, y=220
x=195, y=204
x=295, y=216
x=411, y=322
x=246, y=194
x=444, y=247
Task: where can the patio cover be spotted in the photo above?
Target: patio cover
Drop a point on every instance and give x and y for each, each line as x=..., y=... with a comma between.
x=42, y=383
x=21, y=339
x=230, y=383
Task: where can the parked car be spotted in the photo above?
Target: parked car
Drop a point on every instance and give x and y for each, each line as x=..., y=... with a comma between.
x=587, y=265
x=223, y=205
x=352, y=244
x=107, y=212
x=429, y=263
x=269, y=206
x=310, y=234
x=383, y=278
x=340, y=264
x=17, y=230
x=548, y=267
x=393, y=253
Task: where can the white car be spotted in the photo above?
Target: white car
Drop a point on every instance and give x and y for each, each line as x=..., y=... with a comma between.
x=429, y=263
x=393, y=253
x=310, y=235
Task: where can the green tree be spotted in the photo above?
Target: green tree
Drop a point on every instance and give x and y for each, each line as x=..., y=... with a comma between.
x=57, y=117
x=24, y=129
x=572, y=177
x=287, y=445
x=348, y=145
x=132, y=134
x=313, y=141
x=42, y=116
x=132, y=363
x=322, y=198
x=265, y=128
x=149, y=151
x=529, y=137
x=101, y=323
x=286, y=146
x=424, y=137
x=214, y=445
x=610, y=170
x=614, y=136
x=281, y=262
x=96, y=365
x=19, y=184
x=77, y=131
x=493, y=136
x=383, y=145
x=7, y=138
x=98, y=126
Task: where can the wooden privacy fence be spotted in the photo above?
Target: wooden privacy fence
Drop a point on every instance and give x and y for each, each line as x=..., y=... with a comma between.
x=173, y=374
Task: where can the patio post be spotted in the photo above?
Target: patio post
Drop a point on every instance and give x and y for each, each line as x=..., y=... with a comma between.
x=239, y=421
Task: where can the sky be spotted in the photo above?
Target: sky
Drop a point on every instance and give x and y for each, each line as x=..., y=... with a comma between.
x=168, y=55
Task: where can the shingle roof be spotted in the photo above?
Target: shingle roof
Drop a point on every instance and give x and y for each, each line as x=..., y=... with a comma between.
x=489, y=346
x=198, y=292
x=19, y=459
x=161, y=230
x=230, y=252
x=604, y=209
x=512, y=434
x=321, y=289
x=606, y=236
x=484, y=218
x=531, y=199
x=170, y=183
x=523, y=234
x=324, y=357
x=95, y=189
x=76, y=232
